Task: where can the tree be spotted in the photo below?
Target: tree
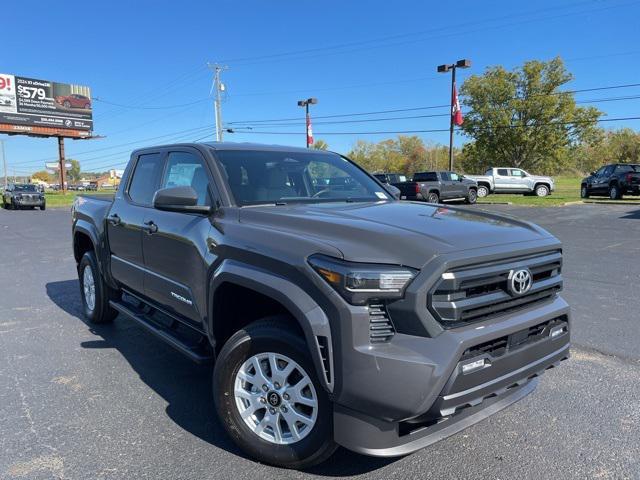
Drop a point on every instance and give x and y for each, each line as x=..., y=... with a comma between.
x=521, y=118
x=74, y=171
x=43, y=176
x=407, y=154
x=320, y=145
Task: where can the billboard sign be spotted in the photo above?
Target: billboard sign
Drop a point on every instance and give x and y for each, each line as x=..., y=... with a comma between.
x=28, y=102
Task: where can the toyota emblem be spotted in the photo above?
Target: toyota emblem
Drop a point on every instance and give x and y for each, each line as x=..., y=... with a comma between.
x=520, y=281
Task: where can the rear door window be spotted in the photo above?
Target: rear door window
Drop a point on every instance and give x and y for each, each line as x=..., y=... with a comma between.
x=503, y=172
x=146, y=178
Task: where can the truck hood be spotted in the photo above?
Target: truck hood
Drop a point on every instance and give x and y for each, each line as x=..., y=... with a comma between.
x=403, y=233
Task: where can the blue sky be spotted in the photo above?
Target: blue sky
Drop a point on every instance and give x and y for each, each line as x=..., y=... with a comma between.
x=150, y=57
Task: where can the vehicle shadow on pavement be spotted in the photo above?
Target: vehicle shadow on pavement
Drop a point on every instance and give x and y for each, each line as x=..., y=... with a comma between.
x=185, y=386
x=633, y=215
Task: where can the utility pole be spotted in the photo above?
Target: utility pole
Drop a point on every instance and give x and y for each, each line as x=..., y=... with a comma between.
x=62, y=164
x=219, y=88
x=464, y=63
x=4, y=163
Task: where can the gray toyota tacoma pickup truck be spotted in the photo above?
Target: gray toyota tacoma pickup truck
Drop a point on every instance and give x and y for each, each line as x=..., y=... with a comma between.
x=333, y=314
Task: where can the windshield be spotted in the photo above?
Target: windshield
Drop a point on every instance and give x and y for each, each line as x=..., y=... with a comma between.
x=258, y=177
x=24, y=188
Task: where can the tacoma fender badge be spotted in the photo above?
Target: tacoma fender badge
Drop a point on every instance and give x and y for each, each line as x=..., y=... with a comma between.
x=181, y=298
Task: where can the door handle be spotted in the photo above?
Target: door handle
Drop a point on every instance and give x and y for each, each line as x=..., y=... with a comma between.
x=150, y=227
x=114, y=219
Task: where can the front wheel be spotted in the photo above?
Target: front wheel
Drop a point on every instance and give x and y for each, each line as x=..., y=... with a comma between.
x=43, y=207
x=433, y=197
x=94, y=292
x=542, y=190
x=482, y=191
x=269, y=399
x=472, y=197
x=584, y=192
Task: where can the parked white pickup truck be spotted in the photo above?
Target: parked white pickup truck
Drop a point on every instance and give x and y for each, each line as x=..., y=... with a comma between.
x=512, y=180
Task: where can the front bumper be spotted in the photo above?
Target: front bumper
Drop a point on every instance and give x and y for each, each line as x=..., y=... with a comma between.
x=409, y=393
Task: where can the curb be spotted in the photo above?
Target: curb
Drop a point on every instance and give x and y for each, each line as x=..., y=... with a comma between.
x=495, y=203
x=611, y=202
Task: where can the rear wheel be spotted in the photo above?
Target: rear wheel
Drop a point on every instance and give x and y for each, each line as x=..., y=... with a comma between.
x=66, y=104
x=94, y=292
x=614, y=192
x=43, y=206
x=269, y=399
x=472, y=196
x=483, y=191
x=584, y=192
x=433, y=197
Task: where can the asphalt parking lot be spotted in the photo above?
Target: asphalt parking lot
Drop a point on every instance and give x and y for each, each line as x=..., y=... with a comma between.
x=112, y=402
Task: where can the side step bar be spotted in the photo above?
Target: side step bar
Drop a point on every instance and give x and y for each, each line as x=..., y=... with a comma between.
x=162, y=333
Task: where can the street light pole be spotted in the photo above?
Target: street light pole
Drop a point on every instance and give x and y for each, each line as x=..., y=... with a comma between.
x=305, y=104
x=464, y=63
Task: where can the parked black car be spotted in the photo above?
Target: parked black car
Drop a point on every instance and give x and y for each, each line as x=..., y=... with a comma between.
x=436, y=186
x=612, y=181
x=333, y=313
x=20, y=195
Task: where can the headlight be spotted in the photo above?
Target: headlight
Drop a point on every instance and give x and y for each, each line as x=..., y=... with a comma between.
x=360, y=282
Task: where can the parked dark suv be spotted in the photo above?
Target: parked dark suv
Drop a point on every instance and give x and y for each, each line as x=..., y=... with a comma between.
x=333, y=314
x=612, y=181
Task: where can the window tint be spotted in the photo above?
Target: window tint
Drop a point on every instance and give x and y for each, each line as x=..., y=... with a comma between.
x=187, y=169
x=444, y=176
x=624, y=169
x=503, y=172
x=145, y=178
x=425, y=177
x=608, y=171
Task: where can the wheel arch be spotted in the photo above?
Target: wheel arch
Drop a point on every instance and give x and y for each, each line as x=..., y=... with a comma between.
x=85, y=238
x=309, y=317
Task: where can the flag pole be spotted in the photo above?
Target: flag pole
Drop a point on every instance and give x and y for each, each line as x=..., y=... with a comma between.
x=451, y=115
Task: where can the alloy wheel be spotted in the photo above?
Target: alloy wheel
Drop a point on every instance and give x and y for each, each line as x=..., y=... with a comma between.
x=276, y=398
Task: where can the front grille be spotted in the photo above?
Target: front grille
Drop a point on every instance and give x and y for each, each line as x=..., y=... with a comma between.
x=478, y=292
x=380, y=326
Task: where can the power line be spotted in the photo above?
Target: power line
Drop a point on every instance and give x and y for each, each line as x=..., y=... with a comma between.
x=564, y=92
x=136, y=142
x=457, y=30
x=387, y=132
x=155, y=107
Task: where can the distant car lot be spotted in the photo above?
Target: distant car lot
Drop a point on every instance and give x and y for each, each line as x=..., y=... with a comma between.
x=110, y=402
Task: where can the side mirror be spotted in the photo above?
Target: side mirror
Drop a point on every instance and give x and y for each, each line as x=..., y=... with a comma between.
x=179, y=199
x=592, y=173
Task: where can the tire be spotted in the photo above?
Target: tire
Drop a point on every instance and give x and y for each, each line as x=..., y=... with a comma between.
x=542, y=190
x=260, y=342
x=472, y=196
x=95, y=300
x=433, y=197
x=584, y=192
x=66, y=104
x=43, y=207
x=483, y=191
x=614, y=192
